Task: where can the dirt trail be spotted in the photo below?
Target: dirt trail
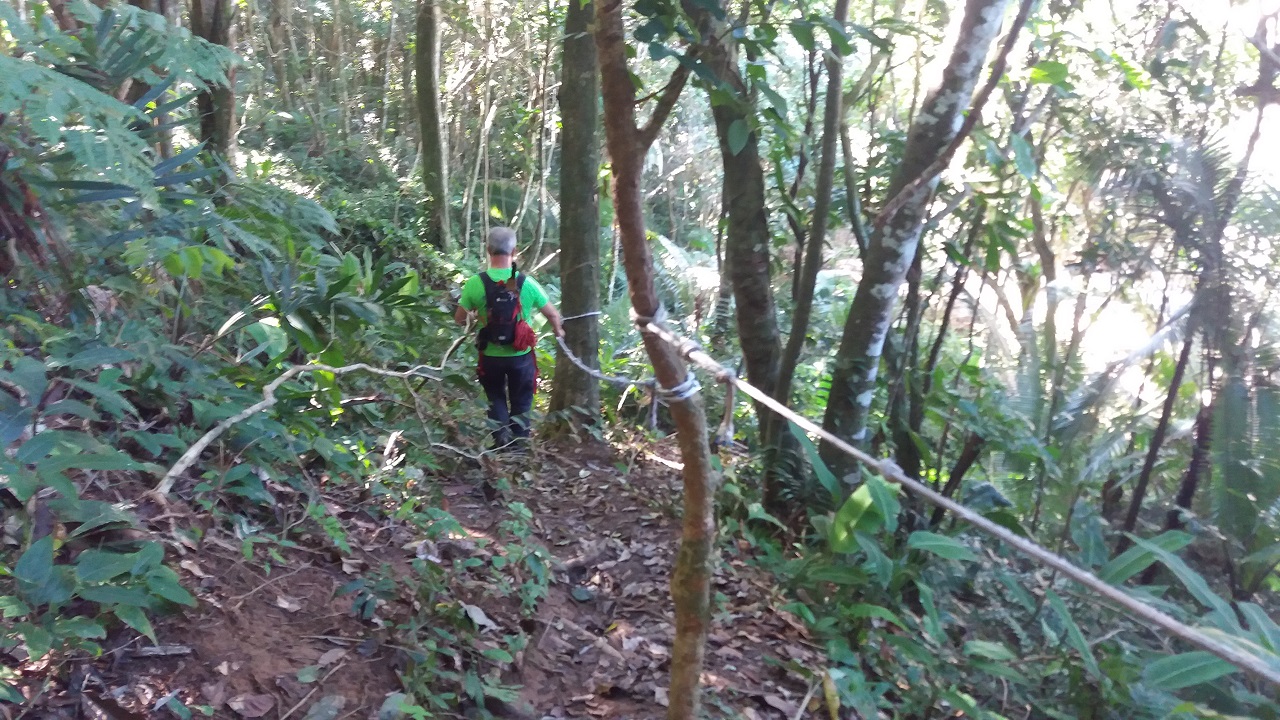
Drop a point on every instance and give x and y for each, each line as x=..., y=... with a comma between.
x=598, y=642
x=602, y=643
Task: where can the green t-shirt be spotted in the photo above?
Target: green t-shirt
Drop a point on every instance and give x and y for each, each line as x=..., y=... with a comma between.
x=532, y=299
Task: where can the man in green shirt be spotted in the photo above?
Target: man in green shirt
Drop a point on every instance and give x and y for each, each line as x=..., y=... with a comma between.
x=507, y=370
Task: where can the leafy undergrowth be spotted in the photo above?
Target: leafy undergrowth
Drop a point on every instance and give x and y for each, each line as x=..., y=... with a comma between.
x=542, y=594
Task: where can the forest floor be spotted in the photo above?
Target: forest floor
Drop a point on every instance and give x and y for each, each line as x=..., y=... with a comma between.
x=288, y=644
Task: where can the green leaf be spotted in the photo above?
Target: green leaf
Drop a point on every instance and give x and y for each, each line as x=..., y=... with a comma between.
x=164, y=582
x=308, y=674
x=12, y=607
x=802, y=31
x=739, y=133
x=1023, y=157
x=779, y=104
x=99, y=566
x=1185, y=670
x=35, y=567
x=81, y=627
x=885, y=497
x=28, y=374
x=940, y=545
x=1138, y=558
x=865, y=33
x=1262, y=624
x=498, y=655
x=104, y=459
x=864, y=610
x=94, y=358
x=39, y=641
x=825, y=476
x=179, y=710
x=1194, y=583
x=880, y=565
x=989, y=650
x=756, y=511
x=133, y=616
x=14, y=418
x=9, y=693
x=853, y=517
x=1050, y=72
x=115, y=595
x=1074, y=635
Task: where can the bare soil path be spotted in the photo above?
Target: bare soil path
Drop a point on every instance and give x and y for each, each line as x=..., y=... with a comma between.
x=596, y=637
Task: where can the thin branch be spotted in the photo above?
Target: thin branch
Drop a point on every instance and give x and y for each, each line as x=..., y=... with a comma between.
x=970, y=122
x=269, y=399
x=666, y=103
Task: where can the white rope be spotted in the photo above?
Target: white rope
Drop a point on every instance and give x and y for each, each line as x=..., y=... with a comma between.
x=890, y=471
x=625, y=382
x=593, y=313
x=681, y=392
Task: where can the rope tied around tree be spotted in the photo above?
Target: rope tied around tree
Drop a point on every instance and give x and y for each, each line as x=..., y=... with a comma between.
x=890, y=471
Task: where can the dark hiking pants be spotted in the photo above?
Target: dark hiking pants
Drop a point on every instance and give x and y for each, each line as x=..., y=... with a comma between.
x=509, y=383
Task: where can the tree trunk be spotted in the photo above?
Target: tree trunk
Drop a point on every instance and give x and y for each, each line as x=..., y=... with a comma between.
x=435, y=171
x=579, y=215
x=627, y=145
x=213, y=20
x=277, y=31
x=892, y=245
x=1157, y=441
x=815, y=242
x=1196, y=469
x=746, y=247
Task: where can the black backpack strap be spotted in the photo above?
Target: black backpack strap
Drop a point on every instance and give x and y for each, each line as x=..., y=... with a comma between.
x=490, y=287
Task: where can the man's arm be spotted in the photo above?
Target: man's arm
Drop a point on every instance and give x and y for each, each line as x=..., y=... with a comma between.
x=553, y=316
x=462, y=316
x=467, y=304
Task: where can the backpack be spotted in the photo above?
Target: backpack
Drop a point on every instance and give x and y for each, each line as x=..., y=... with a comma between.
x=505, y=317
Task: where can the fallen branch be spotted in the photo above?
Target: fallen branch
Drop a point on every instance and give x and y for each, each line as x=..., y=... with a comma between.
x=269, y=399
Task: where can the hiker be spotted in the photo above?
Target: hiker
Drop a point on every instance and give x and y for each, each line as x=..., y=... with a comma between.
x=505, y=300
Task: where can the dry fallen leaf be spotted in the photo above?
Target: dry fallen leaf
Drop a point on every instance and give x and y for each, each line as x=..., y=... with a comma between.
x=192, y=567
x=287, y=603
x=251, y=706
x=777, y=703
x=479, y=618
x=660, y=697
x=331, y=657
x=215, y=693
x=351, y=566
x=224, y=668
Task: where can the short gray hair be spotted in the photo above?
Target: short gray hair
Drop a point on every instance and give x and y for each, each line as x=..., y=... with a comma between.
x=502, y=241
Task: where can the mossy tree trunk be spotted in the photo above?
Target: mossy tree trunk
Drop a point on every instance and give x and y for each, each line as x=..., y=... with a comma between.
x=435, y=170
x=579, y=216
x=627, y=144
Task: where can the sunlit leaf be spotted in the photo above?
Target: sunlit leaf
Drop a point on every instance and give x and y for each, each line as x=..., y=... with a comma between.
x=1185, y=670
x=940, y=545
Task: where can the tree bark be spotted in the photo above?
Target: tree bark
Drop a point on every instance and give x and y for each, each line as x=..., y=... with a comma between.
x=579, y=215
x=746, y=246
x=627, y=144
x=1196, y=469
x=213, y=20
x=892, y=245
x=435, y=171
x=1157, y=441
x=814, y=244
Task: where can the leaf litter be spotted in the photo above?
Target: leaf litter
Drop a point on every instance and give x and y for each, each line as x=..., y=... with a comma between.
x=598, y=642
